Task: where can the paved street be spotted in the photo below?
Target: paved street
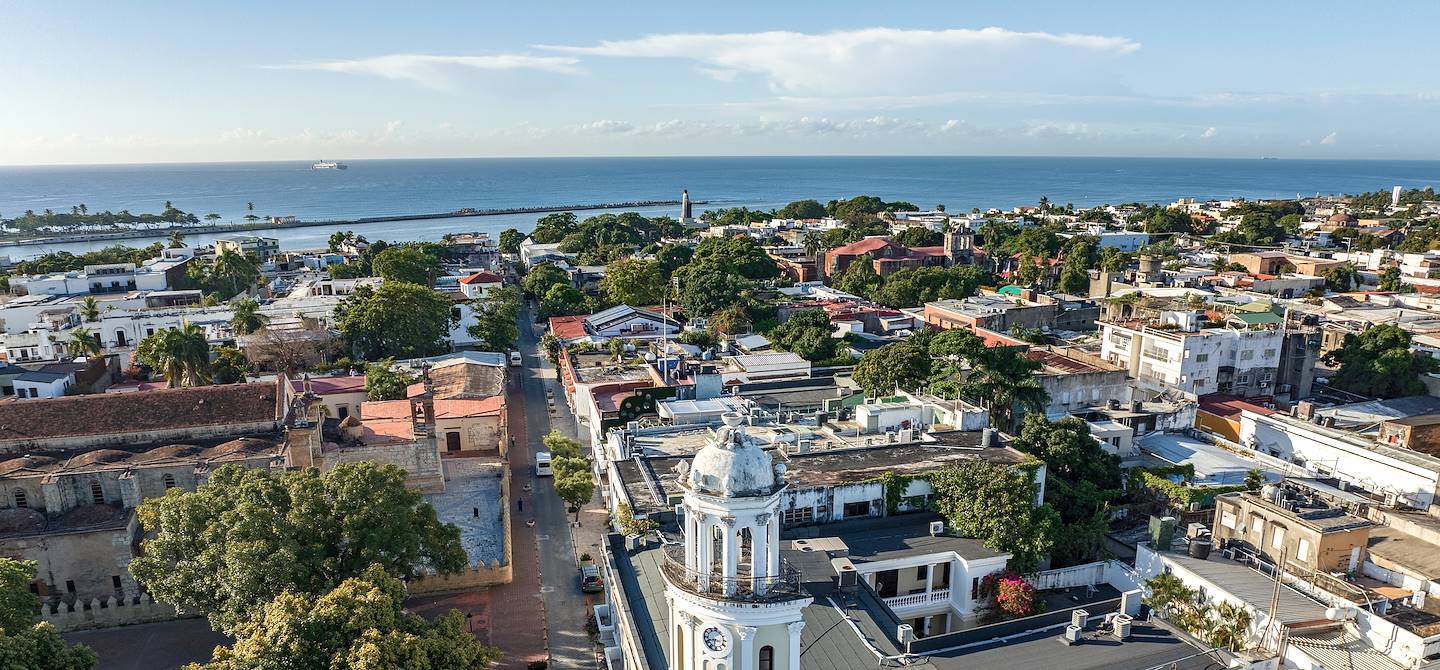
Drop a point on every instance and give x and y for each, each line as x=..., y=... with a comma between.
x=566, y=609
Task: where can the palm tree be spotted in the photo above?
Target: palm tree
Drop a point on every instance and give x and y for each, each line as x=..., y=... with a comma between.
x=812, y=244
x=177, y=239
x=1229, y=627
x=1005, y=378
x=83, y=343
x=83, y=209
x=247, y=317
x=250, y=206
x=181, y=354
x=90, y=309
x=234, y=270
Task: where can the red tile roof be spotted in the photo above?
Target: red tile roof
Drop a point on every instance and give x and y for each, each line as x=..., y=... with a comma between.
x=482, y=278
x=329, y=385
x=1062, y=363
x=139, y=412
x=864, y=246
x=567, y=327
x=445, y=408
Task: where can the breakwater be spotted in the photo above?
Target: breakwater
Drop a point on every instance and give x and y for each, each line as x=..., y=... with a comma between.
x=283, y=223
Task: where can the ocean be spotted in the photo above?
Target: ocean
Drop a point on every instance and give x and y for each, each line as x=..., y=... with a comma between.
x=384, y=187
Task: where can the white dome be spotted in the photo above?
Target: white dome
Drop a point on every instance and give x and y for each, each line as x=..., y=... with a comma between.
x=732, y=466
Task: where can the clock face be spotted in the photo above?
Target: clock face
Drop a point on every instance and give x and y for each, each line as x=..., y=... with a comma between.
x=715, y=639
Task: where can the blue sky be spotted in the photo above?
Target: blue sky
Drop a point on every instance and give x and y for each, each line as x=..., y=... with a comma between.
x=93, y=82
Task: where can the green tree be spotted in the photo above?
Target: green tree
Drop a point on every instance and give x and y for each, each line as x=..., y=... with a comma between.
x=1342, y=277
x=510, y=240
x=860, y=278
x=1074, y=279
x=899, y=365
x=339, y=239
x=919, y=236
x=229, y=366
x=576, y=489
x=707, y=288
x=90, y=309
x=180, y=354
x=672, y=257
x=248, y=535
x=26, y=643
x=632, y=282
x=996, y=504
x=1004, y=379
x=1378, y=362
x=802, y=209
x=552, y=228
x=177, y=239
x=807, y=334
x=246, y=317
x=560, y=446
x=1390, y=279
x=406, y=264
x=397, y=319
x=384, y=381
x=541, y=278
x=360, y=624
x=740, y=255
x=232, y=272
x=497, y=319
x=563, y=300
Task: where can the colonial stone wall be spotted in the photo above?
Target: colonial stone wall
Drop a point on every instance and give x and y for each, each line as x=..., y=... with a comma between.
x=90, y=559
x=104, y=614
x=474, y=576
x=419, y=460
x=122, y=440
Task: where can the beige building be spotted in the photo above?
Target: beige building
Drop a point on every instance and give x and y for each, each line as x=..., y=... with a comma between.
x=1283, y=522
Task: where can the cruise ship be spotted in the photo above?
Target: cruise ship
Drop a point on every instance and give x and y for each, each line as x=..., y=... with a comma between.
x=328, y=165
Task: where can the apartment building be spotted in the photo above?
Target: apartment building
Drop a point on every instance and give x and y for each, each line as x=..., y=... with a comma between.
x=1180, y=352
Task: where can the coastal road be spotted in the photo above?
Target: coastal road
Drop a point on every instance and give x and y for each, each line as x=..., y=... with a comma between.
x=566, y=608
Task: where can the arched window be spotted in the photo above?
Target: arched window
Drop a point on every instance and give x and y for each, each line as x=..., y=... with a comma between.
x=22, y=500
x=169, y=480
x=767, y=658
x=97, y=493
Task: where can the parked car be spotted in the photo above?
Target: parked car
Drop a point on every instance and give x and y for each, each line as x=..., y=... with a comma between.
x=515, y=359
x=590, y=579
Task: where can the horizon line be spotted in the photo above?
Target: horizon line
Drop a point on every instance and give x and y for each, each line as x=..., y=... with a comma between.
x=705, y=156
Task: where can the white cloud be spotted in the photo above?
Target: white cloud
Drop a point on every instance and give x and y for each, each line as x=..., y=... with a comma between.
x=392, y=127
x=719, y=74
x=1330, y=139
x=608, y=127
x=1208, y=133
x=437, y=71
x=877, y=61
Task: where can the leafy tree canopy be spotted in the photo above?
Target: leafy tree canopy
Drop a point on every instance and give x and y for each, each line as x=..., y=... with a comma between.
x=563, y=300
x=360, y=623
x=802, y=209
x=509, y=242
x=406, y=264
x=633, y=282
x=397, y=319
x=24, y=641
x=917, y=286
x=737, y=254
x=247, y=535
x=1378, y=362
x=807, y=334
x=996, y=503
x=540, y=278
x=384, y=381
x=919, y=236
x=859, y=278
x=552, y=228
x=497, y=319
x=900, y=365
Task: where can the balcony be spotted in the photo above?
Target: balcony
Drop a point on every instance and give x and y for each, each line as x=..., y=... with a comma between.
x=741, y=588
x=1156, y=354
x=914, y=599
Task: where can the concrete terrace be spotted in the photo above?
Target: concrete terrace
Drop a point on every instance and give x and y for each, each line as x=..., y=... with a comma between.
x=471, y=484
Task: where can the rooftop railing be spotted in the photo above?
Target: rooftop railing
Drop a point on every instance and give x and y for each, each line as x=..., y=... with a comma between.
x=783, y=587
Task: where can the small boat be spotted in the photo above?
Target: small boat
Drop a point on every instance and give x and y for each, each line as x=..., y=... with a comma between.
x=329, y=165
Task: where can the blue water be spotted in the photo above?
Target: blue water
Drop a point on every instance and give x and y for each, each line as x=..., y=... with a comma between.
x=380, y=187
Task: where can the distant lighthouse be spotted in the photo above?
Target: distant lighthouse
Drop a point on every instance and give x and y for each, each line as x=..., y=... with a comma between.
x=685, y=206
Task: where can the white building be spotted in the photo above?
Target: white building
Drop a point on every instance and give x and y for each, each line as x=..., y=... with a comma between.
x=732, y=602
x=38, y=384
x=626, y=322
x=1176, y=353
x=156, y=274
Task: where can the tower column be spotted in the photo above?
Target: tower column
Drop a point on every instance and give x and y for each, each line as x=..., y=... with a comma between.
x=747, y=643
x=759, y=557
x=795, y=628
x=730, y=547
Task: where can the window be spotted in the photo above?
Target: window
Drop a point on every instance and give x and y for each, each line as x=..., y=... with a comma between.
x=97, y=493
x=1227, y=519
x=922, y=573
x=1257, y=526
x=1201, y=358
x=1277, y=540
x=169, y=481
x=798, y=516
x=22, y=500
x=767, y=658
x=69, y=586
x=1269, y=353
x=1247, y=354
x=974, y=588
x=857, y=509
x=1302, y=552
x=115, y=581
x=1242, y=380
x=944, y=582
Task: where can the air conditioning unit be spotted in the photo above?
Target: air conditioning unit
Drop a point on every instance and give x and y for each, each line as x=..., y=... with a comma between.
x=904, y=633
x=802, y=446
x=1122, y=626
x=937, y=527
x=1072, y=636
x=1078, y=618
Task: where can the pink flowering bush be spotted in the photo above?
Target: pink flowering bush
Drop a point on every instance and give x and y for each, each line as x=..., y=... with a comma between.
x=1015, y=596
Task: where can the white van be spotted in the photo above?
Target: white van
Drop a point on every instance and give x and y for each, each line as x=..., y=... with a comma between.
x=515, y=359
x=542, y=464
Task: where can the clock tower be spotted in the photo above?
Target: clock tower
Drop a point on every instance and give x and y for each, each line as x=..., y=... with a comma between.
x=734, y=604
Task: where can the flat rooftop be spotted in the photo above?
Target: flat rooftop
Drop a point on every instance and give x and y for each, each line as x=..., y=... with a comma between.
x=471, y=484
x=904, y=536
x=1213, y=465
x=1250, y=586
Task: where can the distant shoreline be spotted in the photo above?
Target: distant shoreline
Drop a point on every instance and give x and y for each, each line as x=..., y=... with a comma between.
x=160, y=233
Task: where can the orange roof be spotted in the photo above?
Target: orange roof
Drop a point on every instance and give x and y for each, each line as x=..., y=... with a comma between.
x=864, y=246
x=482, y=278
x=1228, y=406
x=568, y=327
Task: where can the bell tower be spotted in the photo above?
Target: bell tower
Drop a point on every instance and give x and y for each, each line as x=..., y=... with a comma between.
x=734, y=603
x=959, y=244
